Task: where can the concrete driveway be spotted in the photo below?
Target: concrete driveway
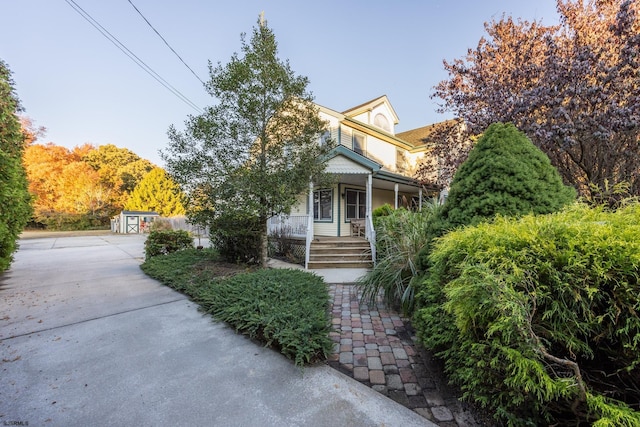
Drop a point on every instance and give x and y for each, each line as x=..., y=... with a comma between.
x=86, y=339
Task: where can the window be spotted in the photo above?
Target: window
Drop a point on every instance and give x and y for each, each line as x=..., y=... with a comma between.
x=359, y=144
x=324, y=137
x=381, y=121
x=323, y=205
x=356, y=204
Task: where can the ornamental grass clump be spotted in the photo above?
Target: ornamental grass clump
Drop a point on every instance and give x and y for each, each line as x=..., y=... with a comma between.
x=538, y=319
x=400, y=236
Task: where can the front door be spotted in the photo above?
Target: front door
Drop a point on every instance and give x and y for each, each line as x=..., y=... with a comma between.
x=355, y=204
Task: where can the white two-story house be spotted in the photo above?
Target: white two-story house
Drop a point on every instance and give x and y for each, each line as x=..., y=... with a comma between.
x=372, y=165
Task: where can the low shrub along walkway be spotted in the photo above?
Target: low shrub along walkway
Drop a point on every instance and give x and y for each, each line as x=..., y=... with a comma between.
x=285, y=309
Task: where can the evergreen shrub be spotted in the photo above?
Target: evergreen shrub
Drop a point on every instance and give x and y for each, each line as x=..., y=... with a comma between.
x=237, y=237
x=504, y=174
x=15, y=200
x=284, y=308
x=166, y=242
x=384, y=210
x=538, y=319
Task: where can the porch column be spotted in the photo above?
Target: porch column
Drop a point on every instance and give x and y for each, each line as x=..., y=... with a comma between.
x=370, y=232
x=369, y=196
x=395, y=188
x=309, y=227
x=420, y=199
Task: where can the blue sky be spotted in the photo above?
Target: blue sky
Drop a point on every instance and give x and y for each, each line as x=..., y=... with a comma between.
x=78, y=85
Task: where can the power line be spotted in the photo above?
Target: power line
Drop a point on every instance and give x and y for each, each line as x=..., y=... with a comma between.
x=131, y=55
x=165, y=42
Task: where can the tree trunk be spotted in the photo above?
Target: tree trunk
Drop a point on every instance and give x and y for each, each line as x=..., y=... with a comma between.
x=264, y=243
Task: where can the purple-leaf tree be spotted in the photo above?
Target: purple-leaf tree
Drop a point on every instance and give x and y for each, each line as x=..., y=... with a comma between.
x=573, y=89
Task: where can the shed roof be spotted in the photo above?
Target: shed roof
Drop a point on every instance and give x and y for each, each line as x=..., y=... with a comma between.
x=147, y=213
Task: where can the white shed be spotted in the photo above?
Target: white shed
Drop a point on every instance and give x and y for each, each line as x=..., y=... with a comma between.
x=133, y=222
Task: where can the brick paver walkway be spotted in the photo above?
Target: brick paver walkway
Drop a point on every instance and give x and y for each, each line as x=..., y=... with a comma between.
x=374, y=346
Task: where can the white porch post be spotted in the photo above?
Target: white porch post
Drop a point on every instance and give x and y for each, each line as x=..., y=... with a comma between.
x=420, y=199
x=369, y=196
x=370, y=232
x=309, y=227
x=395, y=189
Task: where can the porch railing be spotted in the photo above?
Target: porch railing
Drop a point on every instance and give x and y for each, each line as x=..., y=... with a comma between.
x=290, y=225
x=370, y=234
x=308, y=242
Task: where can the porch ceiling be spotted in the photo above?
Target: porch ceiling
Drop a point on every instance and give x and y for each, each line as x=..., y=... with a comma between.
x=360, y=180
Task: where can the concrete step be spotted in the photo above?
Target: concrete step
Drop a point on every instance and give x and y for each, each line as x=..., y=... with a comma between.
x=339, y=257
x=339, y=264
x=346, y=245
x=340, y=253
x=340, y=250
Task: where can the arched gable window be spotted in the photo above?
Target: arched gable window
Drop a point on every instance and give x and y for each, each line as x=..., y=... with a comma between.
x=382, y=122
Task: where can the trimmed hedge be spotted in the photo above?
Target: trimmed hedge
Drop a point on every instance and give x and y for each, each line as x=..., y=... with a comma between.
x=504, y=174
x=538, y=319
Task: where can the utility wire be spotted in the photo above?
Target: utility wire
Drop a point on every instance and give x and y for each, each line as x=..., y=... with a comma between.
x=165, y=42
x=131, y=55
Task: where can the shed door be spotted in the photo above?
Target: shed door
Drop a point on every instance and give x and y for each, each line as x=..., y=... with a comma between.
x=132, y=224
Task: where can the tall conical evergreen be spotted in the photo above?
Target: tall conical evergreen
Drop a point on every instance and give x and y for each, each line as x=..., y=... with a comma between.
x=504, y=174
x=15, y=201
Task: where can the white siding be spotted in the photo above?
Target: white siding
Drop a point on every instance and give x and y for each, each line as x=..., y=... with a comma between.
x=342, y=165
x=363, y=117
x=300, y=208
x=345, y=137
x=382, y=152
x=328, y=228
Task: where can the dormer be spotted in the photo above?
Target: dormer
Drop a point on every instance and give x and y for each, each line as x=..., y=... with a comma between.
x=377, y=112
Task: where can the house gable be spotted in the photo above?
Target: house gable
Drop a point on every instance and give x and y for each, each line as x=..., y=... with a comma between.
x=368, y=130
x=341, y=165
x=378, y=113
x=344, y=161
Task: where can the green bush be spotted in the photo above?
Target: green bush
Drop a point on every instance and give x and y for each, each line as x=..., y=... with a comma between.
x=15, y=200
x=183, y=271
x=286, y=309
x=61, y=221
x=165, y=242
x=400, y=236
x=237, y=237
x=380, y=211
x=538, y=318
x=504, y=174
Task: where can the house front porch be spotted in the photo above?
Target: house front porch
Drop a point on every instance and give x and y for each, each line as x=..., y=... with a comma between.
x=288, y=235
x=344, y=209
